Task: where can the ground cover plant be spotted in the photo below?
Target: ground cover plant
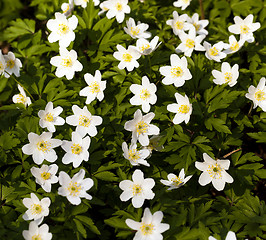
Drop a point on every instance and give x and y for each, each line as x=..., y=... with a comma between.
x=132, y=119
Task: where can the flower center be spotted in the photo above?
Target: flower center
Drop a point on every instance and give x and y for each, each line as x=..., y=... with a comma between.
x=49, y=117
x=76, y=148
x=213, y=51
x=84, y=121
x=179, y=25
x=234, y=46
x=43, y=146
x=74, y=188
x=215, y=171
x=45, y=175
x=176, y=181
x=21, y=99
x=190, y=43
x=36, y=209
x=119, y=7
x=10, y=64
x=63, y=29
x=66, y=9
x=1, y=67
x=142, y=127
x=144, y=94
x=184, y=109
x=134, y=31
x=127, y=57
x=146, y=229
x=95, y=87
x=66, y=62
x=136, y=189
x=197, y=26
x=36, y=237
x=144, y=47
x=244, y=29
x=228, y=77
x=133, y=155
x=177, y=71
x=259, y=95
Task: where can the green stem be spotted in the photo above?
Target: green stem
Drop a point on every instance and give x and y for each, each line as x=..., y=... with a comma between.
x=250, y=109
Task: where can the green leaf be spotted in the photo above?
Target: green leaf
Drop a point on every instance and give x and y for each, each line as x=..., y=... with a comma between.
x=80, y=228
x=259, y=136
x=89, y=223
x=106, y=176
x=116, y=222
x=217, y=124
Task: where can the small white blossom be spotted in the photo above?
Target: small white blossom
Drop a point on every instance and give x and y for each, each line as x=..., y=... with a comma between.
x=83, y=3
x=177, y=73
x=103, y=7
x=76, y=150
x=176, y=182
x=144, y=94
x=135, y=157
x=139, y=189
x=62, y=29
x=137, y=31
x=244, y=27
x=13, y=65
x=41, y=147
x=233, y=45
x=258, y=94
x=67, y=63
x=68, y=8
x=85, y=122
x=2, y=63
x=230, y=236
x=37, y=209
x=150, y=227
x=145, y=47
x=190, y=42
x=95, y=87
x=127, y=57
x=214, y=52
x=75, y=188
x=179, y=23
x=21, y=97
x=116, y=8
x=45, y=176
x=183, y=109
x=37, y=233
x=214, y=171
x=228, y=75
x=140, y=127
x=50, y=117
x=182, y=3
x=199, y=25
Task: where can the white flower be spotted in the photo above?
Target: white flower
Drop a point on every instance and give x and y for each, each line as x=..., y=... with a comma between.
x=95, y=87
x=83, y=3
x=228, y=75
x=76, y=150
x=179, y=23
x=41, y=147
x=62, y=29
x=13, y=65
x=37, y=233
x=150, y=227
x=214, y=52
x=117, y=8
x=135, y=157
x=182, y=3
x=199, y=25
x=67, y=8
x=103, y=7
x=45, y=176
x=145, y=47
x=244, y=27
x=67, y=63
x=137, y=31
x=175, y=182
x=140, y=127
x=128, y=58
x=183, y=109
x=139, y=189
x=21, y=97
x=177, y=73
x=214, y=171
x=50, y=117
x=258, y=94
x=2, y=63
x=233, y=45
x=76, y=187
x=144, y=94
x=85, y=122
x=230, y=236
x=37, y=209
x=190, y=42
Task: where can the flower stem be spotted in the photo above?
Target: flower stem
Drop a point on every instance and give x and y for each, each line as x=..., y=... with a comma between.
x=250, y=109
x=201, y=10
x=228, y=154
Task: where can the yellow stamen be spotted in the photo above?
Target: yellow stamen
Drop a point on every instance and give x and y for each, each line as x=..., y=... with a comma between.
x=45, y=175
x=134, y=31
x=260, y=95
x=179, y=25
x=147, y=229
x=21, y=99
x=84, y=121
x=119, y=6
x=142, y=127
x=213, y=51
x=10, y=63
x=67, y=8
x=190, y=43
x=49, y=117
x=234, y=46
x=76, y=148
x=63, y=29
x=36, y=237
x=127, y=57
x=136, y=189
x=183, y=109
x=43, y=146
x=177, y=71
x=197, y=26
x=74, y=188
x=176, y=181
x=144, y=94
x=244, y=29
x=36, y=209
x=215, y=171
x=144, y=47
x=133, y=155
x=66, y=62
x=95, y=87
x=228, y=77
